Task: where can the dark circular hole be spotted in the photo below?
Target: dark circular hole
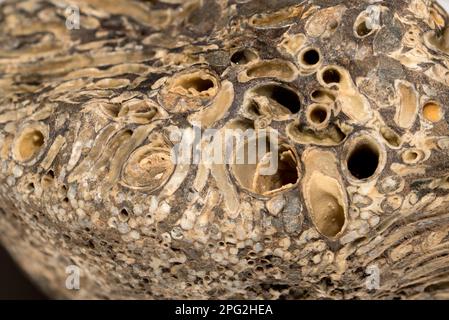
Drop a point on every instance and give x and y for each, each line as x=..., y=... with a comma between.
x=318, y=115
x=317, y=94
x=124, y=215
x=51, y=174
x=331, y=76
x=91, y=244
x=259, y=269
x=311, y=57
x=363, y=160
x=243, y=56
x=282, y=95
x=198, y=84
x=286, y=98
x=363, y=29
x=322, y=96
x=66, y=237
x=410, y=156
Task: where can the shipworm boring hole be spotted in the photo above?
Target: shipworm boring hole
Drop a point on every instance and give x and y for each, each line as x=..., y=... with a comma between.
x=197, y=84
x=318, y=114
x=149, y=168
x=323, y=96
x=391, y=137
x=139, y=111
x=124, y=215
x=265, y=172
x=279, y=69
x=287, y=172
x=363, y=29
x=282, y=96
x=327, y=206
x=243, y=56
x=432, y=111
x=411, y=156
x=310, y=57
x=29, y=144
x=331, y=76
x=111, y=109
x=191, y=84
x=30, y=187
x=48, y=179
x=286, y=98
x=363, y=160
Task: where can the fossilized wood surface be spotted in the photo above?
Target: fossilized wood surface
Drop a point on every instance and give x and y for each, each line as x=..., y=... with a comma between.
x=357, y=90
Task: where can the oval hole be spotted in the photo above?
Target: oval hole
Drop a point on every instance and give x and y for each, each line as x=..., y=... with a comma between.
x=124, y=215
x=327, y=205
x=243, y=56
x=29, y=144
x=148, y=168
x=323, y=96
x=282, y=96
x=331, y=76
x=197, y=84
x=411, y=156
x=111, y=109
x=48, y=179
x=363, y=29
x=363, y=160
x=276, y=68
x=250, y=166
x=318, y=114
x=310, y=57
x=391, y=137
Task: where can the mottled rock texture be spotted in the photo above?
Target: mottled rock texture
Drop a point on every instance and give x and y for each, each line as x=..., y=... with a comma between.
x=357, y=90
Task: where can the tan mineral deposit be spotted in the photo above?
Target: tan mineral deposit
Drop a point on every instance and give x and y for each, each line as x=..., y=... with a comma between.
x=351, y=100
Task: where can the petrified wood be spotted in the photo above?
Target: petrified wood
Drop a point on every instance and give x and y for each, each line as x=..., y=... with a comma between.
x=358, y=92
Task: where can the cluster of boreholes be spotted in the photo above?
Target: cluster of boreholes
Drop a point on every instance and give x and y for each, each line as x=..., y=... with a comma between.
x=279, y=102
x=319, y=129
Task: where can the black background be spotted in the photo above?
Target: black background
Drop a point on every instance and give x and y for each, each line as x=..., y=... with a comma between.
x=14, y=284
